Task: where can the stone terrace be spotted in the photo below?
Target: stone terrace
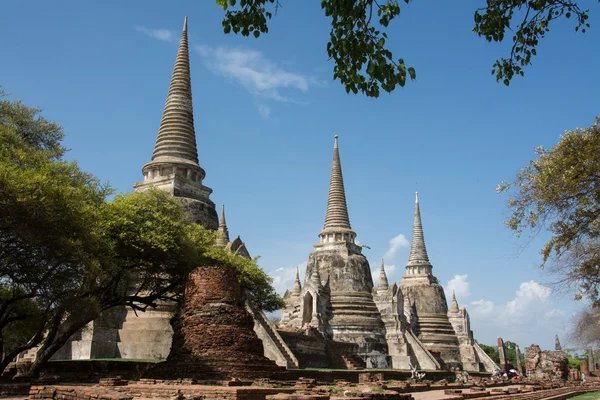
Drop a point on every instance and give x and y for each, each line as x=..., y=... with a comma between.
x=303, y=389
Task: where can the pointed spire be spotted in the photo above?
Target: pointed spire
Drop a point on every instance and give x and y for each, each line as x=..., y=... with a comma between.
x=418, y=251
x=557, y=345
x=454, y=307
x=337, y=210
x=297, y=285
x=176, y=139
x=222, y=231
x=383, y=281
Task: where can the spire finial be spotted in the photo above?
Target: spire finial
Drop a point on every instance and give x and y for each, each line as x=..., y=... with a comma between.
x=176, y=139
x=297, y=286
x=454, y=307
x=337, y=209
x=222, y=231
x=383, y=281
x=222, y=221
x=418, y=251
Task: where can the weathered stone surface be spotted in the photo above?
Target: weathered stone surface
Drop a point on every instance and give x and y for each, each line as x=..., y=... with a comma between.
x=213, y=333
x=201, y=212
x=546, y=364
x=336, y=297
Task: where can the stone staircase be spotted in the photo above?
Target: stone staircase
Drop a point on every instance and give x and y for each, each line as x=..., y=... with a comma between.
x=353, y=361
x=281, y=348
x=28, y=355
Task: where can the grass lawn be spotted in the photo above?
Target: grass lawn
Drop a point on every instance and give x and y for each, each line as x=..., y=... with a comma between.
x=587, y=396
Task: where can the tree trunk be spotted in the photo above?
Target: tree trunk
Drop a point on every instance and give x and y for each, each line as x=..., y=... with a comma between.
x=54, y=341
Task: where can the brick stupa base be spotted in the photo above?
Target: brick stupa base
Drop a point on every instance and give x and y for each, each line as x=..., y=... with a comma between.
x=213, y=333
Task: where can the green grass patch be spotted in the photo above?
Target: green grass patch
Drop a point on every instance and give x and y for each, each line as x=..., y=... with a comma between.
x=587, y=396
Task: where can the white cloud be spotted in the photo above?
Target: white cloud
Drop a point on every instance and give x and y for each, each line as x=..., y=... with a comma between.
x=264, y=111
x=164, y=35
x=482, y=307
x=250, y=68
x=528, y=293
x=460, y=286
x=396, y=243
x=555, y=312
x=283, y=278
x=529, y=317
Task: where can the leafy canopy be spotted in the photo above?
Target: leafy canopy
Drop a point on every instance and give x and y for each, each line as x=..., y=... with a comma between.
x=560, y=192
x=533, y=23
x=358, y=43
x=67, y=254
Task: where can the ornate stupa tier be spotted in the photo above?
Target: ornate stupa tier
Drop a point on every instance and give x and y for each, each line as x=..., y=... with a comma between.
x=418, y=265
x=176, y=139
x=421, y=288
x=337, y=223
x=174, y=166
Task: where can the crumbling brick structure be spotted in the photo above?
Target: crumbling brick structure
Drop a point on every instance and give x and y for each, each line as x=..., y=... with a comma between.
x=213, y=333
x=546, y=364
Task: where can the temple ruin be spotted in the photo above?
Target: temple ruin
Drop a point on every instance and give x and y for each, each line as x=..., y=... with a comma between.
x=394, y=325
x=334, y=317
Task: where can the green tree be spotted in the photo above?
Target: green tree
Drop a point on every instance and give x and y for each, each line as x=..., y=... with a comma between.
x=511, y=354
x=67, y=254
x=358, y=43
x=560, y=192
x=491, y=351
x=533, y=19
x=584, y=328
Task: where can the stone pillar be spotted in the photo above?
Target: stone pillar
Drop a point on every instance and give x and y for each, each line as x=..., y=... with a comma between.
x=213, y=333
x=591, y=365
x=502, y=353
x=585, y=368
x=519, y=366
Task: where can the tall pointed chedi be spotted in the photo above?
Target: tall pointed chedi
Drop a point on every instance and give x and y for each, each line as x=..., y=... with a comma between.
x=418, y=261
x=420, y=287
x=336, y=217
x=174, y=166
x=336, y=296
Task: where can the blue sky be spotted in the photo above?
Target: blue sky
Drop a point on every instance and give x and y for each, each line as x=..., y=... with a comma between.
x=266, y=111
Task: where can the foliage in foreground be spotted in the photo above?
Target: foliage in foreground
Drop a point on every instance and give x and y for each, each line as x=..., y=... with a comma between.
x=67, y=254
x=584, y=328
x=560, y=192
x=358, y=43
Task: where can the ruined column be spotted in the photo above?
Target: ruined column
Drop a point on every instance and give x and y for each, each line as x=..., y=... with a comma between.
x=557, y=346
x=502, y=353
x=519, y=366
x=590, y=359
